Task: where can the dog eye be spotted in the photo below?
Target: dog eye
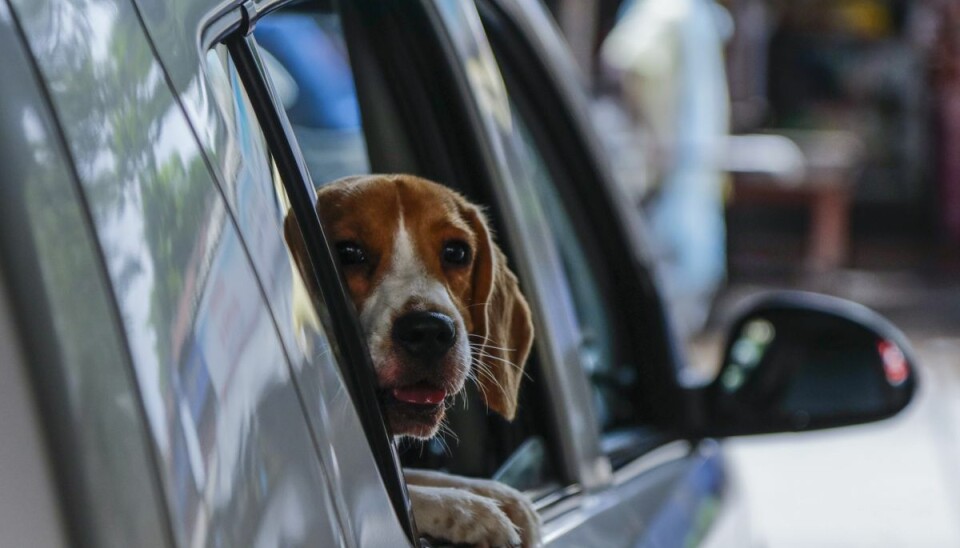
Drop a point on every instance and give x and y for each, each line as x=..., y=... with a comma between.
x=455, y=253
x=351, y=254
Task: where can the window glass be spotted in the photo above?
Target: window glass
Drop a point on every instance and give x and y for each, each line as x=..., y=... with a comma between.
x=256, y=194
x=306, y=57
x=261, y=206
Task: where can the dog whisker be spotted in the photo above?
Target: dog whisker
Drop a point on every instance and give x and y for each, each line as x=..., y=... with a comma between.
x=484, y=370
x=504, y=361
x=441, y=438
x=479, y=385
x=326, y=351
x=485, y=343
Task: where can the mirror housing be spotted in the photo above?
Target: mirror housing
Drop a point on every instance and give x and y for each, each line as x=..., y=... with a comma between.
x=798, y=361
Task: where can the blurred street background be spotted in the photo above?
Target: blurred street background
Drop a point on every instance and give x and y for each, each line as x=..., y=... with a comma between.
x=802, y=144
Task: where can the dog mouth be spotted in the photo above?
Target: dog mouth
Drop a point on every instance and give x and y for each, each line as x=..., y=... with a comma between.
x=419, y=394
x=414, y=409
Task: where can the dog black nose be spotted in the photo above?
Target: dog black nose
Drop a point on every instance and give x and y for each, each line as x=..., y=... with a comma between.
x=425, y=335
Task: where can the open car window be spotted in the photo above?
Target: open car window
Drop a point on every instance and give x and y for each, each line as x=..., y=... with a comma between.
x=305, y=54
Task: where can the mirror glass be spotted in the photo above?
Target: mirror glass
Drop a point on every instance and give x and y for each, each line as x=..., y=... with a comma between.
x=808, y=363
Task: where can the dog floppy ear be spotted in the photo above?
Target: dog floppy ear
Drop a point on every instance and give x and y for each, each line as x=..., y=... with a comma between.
x=502, y=328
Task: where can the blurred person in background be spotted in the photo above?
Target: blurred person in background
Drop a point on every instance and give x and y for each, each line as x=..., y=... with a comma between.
x=668, y=55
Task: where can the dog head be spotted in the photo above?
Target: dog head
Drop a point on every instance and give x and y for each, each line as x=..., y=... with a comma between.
x=436, y=300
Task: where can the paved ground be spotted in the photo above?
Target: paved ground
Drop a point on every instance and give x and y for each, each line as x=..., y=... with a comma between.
x=889, y=484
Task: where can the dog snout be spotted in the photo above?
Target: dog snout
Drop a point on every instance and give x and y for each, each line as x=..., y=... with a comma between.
x=425, y=335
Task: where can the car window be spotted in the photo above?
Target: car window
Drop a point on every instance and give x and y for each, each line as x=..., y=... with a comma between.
x=306, y=57
x=326, y=123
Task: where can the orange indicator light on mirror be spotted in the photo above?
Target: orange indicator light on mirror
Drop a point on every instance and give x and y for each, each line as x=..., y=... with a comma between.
x=895, y=366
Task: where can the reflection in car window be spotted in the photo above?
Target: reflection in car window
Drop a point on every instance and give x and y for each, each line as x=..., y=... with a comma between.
x=109, y=445
x=306, y=58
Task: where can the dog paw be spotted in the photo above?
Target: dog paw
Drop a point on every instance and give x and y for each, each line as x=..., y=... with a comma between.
x=462, y=517
x=515, y=505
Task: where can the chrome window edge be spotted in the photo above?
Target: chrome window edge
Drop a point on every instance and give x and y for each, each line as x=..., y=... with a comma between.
x=670, y=452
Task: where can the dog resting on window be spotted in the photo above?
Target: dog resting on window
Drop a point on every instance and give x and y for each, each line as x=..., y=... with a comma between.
x=438, y=305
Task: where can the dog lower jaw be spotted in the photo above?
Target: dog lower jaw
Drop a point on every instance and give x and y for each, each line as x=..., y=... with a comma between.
x=414, y=420
x=415, y=417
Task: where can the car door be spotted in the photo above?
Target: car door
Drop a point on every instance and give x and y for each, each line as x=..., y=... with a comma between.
x=238, y=376
x=76, y=464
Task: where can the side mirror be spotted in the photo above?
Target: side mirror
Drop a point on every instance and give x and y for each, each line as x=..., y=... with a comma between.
x=800, y=361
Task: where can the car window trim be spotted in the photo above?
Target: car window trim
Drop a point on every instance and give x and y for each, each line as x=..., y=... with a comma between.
x=233, y=29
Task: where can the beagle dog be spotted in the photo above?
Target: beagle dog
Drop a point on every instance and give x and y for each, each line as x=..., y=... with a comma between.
x=438, y=306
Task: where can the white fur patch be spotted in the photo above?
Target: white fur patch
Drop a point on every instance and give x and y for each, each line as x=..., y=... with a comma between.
x=407, y=287
x=458, y=509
